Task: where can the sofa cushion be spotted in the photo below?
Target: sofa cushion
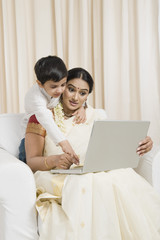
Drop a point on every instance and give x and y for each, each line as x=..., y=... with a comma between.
x=10, y=134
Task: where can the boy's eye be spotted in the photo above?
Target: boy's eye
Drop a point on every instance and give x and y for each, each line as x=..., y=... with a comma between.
x=63, y=85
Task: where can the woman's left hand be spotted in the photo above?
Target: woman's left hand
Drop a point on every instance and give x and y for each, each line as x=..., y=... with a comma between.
x=145, y=146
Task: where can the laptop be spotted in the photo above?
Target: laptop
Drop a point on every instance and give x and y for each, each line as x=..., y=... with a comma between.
x=112, y=145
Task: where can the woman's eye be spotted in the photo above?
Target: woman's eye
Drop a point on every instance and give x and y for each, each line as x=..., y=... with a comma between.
x=82, y=93
x=70, y=89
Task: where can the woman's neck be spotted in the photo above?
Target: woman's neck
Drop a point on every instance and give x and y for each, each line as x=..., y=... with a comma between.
x=67, y=112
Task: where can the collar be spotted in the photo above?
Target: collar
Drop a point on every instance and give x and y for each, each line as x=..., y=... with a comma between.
x=45, y=94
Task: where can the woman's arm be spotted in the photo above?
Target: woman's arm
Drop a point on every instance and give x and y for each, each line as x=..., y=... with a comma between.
x=34, y=145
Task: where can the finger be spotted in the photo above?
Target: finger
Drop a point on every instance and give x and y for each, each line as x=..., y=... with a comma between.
x=75, y=113
x=75, y=119
x=143, y=142
x=75, y=159
x=71, y=153
x=145, y=146
x=146, y=140
x=65, y=164
x=143, y=151
x=82, y=120
x=69, y=159
x=78, y=119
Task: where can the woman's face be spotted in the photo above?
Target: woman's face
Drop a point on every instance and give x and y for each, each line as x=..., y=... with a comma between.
x=75, y=93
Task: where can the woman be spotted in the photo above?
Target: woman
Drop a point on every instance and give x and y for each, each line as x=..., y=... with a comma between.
x=106, y=205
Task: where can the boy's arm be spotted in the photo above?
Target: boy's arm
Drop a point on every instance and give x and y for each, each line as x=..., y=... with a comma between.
x=45, y=118
x=35, y=103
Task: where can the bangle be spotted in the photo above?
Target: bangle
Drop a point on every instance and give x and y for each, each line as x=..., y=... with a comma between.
x=46, y=164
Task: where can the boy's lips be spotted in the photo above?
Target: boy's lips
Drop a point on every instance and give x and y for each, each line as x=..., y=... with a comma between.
x=56, y=95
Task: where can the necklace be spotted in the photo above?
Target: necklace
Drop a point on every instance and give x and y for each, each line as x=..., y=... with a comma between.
x=67, y=115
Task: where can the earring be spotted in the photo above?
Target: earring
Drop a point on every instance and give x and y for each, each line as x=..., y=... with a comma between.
x=85, y=104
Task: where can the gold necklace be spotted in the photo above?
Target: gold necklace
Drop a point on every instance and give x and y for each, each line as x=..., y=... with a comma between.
x=67, y=115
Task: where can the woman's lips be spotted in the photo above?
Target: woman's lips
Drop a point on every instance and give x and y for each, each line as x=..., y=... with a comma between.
x=73, y=103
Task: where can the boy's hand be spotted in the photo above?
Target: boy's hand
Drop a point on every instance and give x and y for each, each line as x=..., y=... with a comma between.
x=80, y=115
x=66, y=147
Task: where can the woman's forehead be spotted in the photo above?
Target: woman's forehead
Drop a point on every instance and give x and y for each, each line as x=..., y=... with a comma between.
x=78, y=83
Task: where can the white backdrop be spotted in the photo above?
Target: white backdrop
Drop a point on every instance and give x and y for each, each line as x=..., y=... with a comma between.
x=115, y=40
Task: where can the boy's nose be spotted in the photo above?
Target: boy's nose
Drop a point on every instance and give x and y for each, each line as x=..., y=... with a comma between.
x=59, y=90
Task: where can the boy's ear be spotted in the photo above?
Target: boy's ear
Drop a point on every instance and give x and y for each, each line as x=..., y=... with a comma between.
x=39, y=83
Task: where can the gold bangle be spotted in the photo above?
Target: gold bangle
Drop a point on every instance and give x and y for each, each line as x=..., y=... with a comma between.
x=46, y=164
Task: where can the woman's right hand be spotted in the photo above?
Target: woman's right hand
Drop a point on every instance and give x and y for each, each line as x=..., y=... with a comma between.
x=66, y=147
x=63, y=161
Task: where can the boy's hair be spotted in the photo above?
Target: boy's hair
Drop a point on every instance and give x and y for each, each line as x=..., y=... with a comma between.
x=50, y=68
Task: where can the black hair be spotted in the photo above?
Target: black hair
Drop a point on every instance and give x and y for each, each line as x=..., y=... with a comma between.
x=82, y=74
x=50, y=68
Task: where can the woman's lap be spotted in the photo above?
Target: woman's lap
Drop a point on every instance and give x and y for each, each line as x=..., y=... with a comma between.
x=120, y=200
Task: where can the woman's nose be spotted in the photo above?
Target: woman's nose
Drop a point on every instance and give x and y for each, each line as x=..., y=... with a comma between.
x=75, y=96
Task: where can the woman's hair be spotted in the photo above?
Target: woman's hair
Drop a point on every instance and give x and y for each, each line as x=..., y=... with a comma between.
x=82, y=74
x=50, y=68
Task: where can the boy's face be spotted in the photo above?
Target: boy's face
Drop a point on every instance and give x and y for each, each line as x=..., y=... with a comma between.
x=54, y=89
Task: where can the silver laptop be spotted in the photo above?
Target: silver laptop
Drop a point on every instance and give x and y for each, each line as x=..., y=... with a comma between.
x=112, y=145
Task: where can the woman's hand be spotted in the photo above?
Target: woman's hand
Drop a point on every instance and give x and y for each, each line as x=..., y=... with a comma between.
x=67, y=148
x=63, y=161
x=145, y=146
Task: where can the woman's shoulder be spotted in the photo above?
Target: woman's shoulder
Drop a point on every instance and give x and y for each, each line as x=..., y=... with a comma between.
x=96, y=113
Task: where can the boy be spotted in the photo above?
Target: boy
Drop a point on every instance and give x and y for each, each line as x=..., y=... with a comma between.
x=51, y=75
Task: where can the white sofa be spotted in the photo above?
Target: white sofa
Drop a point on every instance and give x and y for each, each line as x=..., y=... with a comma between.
x=18, y=220
x=17, y=187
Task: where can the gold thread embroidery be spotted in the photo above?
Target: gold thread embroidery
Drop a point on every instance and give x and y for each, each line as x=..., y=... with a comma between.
x=36, y=128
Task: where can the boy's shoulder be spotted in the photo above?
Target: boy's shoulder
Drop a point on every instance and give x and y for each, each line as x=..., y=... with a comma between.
x=34, y=95
x=34, y=91
x=34, y=88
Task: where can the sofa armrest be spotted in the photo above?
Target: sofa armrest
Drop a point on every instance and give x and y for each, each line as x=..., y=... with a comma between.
x=7, y=159
x=145, y=166
x=156, y=171
x=17, y=199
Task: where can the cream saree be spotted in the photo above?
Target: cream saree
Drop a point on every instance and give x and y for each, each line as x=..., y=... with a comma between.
x=114, y=205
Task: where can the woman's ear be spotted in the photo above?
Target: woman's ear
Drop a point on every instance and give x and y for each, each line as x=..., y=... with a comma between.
x=39, y=83
x=85, y=104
